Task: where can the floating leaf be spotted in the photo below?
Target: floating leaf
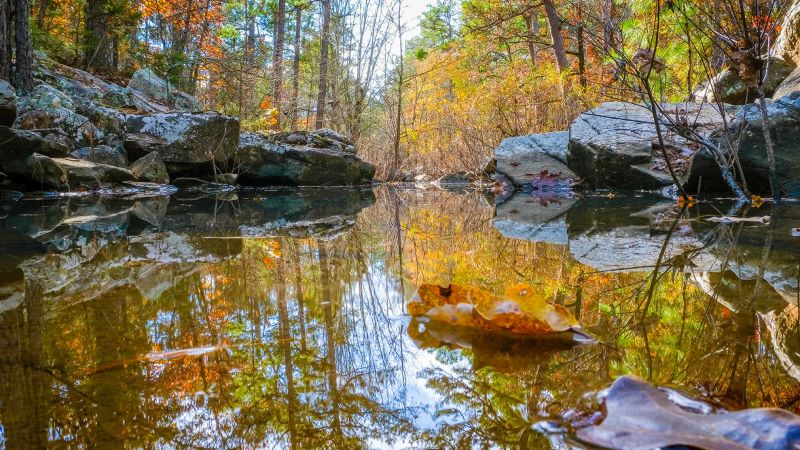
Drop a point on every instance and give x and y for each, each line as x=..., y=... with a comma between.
x=521, y=310
x=641, y=416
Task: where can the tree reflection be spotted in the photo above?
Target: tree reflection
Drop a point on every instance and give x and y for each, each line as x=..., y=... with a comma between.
x=299, y=339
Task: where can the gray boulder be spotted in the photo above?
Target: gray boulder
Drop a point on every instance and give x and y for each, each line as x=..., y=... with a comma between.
x=270, y=160
x=45, y=98
x=8, y=104
x=102, y=154
x=616, y=146
x=790, y=84
x=522, y=159
x=19, y=144
x=784, y=121
x=183, y=140
x=728, y=87
x=155, y=88
x=66, y=174
x=150, y=168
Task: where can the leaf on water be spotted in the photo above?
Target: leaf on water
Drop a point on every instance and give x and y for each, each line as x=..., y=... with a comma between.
x=641, y=416
x=520, y=310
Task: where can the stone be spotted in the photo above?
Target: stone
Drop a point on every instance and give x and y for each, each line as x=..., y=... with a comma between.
x=728, y=87
x=8, y=104
x=522, y=159
x=66, y=174
x=784, y=121
x=19, y=144
x=269, y=160
x=616, y=145
x=154, y=87
x=787, y=46
x=102, y=154
x=46, y=98
x=790, y=84
x=322, y=138
x=183, y=139
x=118, y=97
x=150, y=168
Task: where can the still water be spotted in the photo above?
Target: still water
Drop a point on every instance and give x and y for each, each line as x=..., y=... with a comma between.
x=277, y=319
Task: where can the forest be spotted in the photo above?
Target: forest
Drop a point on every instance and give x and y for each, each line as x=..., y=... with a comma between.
x=431, y=95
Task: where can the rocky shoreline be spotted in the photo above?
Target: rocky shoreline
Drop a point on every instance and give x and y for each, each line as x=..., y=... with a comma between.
x=75, y=132
x=615, y=146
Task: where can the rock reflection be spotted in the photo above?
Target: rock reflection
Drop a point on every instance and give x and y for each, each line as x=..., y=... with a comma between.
x=282, y=314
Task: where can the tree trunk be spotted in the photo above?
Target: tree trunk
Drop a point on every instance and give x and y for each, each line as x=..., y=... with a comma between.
x=277, y=60
x=532, y=25
x=5, y=39
x=43, y=4
x=24, y=57
x=555, y=32
x=298, y=30
x=323, y=63
x=99, y=44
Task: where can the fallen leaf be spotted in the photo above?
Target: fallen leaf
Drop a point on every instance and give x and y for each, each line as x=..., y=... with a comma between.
x=757, y=201
x=641, y=416
x=520, y=310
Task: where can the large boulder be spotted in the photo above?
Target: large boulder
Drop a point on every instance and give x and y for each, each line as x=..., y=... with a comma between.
x=787, y=46
x=273, y=160
x=184, y=141
x=44, y=97
x=102, y=154
x=19, y=144
x=525, y=159
x=616, y=145
x=784, y=123
x=66, y=174
x=789, y=85
x=8, y=104
x=728, y=87
x=158, y=89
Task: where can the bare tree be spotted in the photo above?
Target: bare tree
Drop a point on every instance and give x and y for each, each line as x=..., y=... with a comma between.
x=277, y=59
x=323, y=63
x=298, y=43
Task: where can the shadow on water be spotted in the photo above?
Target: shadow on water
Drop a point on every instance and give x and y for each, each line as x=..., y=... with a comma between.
x=277, y=318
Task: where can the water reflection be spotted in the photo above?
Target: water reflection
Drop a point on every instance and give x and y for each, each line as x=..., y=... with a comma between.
x=277, y=319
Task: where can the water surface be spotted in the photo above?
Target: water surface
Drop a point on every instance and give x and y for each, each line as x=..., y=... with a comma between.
x=276, y=319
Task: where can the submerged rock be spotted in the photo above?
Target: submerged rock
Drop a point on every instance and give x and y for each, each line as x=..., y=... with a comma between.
x=523, y=159
x=640, y=415
x=183, y=140
x=266, y=160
